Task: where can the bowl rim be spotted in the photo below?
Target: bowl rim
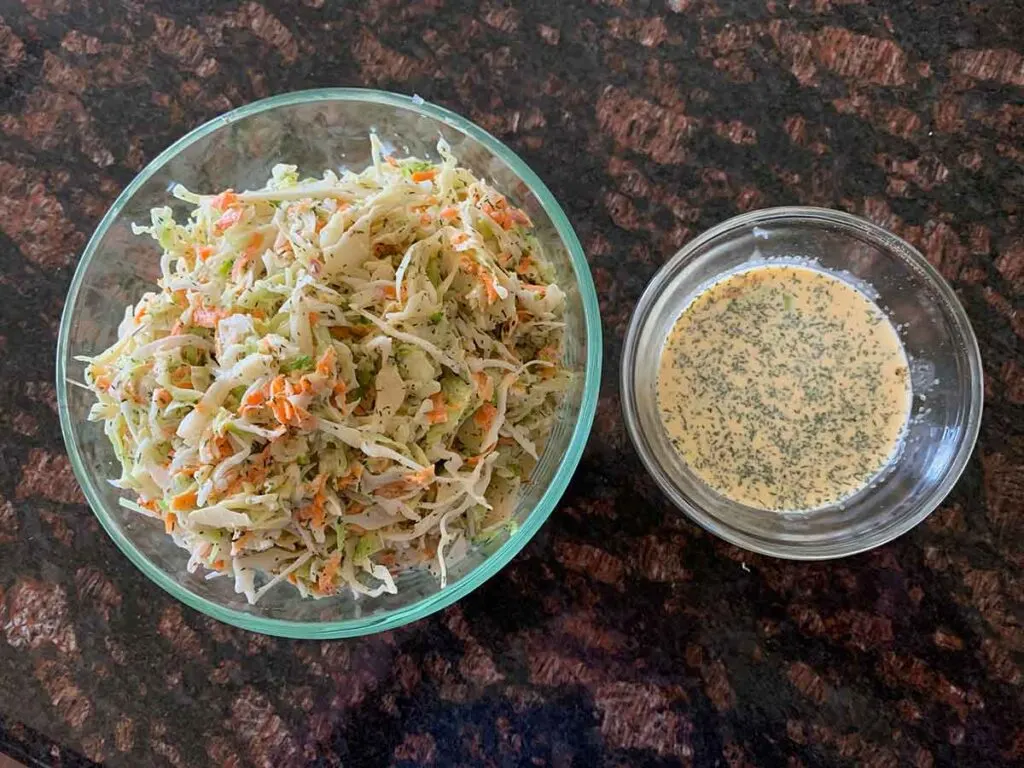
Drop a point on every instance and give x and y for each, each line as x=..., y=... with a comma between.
x=493, y=563
x=826, y=551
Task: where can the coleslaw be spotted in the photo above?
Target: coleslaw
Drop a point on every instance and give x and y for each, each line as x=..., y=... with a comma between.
x=336, y=379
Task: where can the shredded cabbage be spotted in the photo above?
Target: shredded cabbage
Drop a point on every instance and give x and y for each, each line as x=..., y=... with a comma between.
x=338, y=378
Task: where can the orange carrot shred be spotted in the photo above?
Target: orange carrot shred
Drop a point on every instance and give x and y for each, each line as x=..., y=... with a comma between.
x=184, y=501
x=229, y=218
x=225, y=199
x=485, y=415
x=438, y=414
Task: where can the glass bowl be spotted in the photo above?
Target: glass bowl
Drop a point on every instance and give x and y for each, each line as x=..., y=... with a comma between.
x=945, y=369
x=315, y=130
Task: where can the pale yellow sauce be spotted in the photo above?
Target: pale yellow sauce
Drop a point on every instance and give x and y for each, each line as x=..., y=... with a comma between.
x=784, y=388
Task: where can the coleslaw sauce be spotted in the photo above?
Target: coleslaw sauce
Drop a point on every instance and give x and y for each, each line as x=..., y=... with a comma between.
x=784, y=388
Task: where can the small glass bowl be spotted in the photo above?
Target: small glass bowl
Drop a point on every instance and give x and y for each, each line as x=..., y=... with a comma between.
x=327, y=128
x=945, y=369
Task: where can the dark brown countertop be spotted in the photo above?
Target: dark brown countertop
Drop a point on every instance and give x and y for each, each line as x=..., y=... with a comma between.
x=622, y=635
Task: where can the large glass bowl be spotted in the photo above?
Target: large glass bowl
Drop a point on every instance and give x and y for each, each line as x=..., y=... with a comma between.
x=315, y=130
x=945, y=371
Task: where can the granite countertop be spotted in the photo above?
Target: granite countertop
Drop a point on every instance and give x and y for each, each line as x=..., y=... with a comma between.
x=623, y=634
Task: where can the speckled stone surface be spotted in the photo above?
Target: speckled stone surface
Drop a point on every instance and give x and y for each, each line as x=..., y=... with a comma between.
x=622, y=635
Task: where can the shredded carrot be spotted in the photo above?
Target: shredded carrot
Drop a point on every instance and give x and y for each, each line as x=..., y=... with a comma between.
x=484, y=385
x=239, y=544
x=489, y=287
x=182, y=377
x=225, y=200
x=424, y=175
x=203, y=252
x=282, y=243
x=286, y=412
x=391, y=161
x=248, y=256
x=314, y=513
x=500, y=215
x=449, y=214
x=218, y=565
x=318, y=513
x=460, y=238
x=257, y=473
x=325, y=365
x=472, y=461
x=279, y=413
x=229, y=218
x=339, y=390
x=239, y=266
x=184, y=501
x=525, y=265
x=141, y=312
x=170, y=520
x=103, y=382
x=350, y=478
x=438, y=414
x=410, y=482
x=224, y=447
x=162, y=396
x=130, y=390
x=485, y=415
x=255, y=398
x=327, y=583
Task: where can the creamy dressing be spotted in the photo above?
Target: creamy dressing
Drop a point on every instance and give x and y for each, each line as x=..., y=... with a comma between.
x=784, y=388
